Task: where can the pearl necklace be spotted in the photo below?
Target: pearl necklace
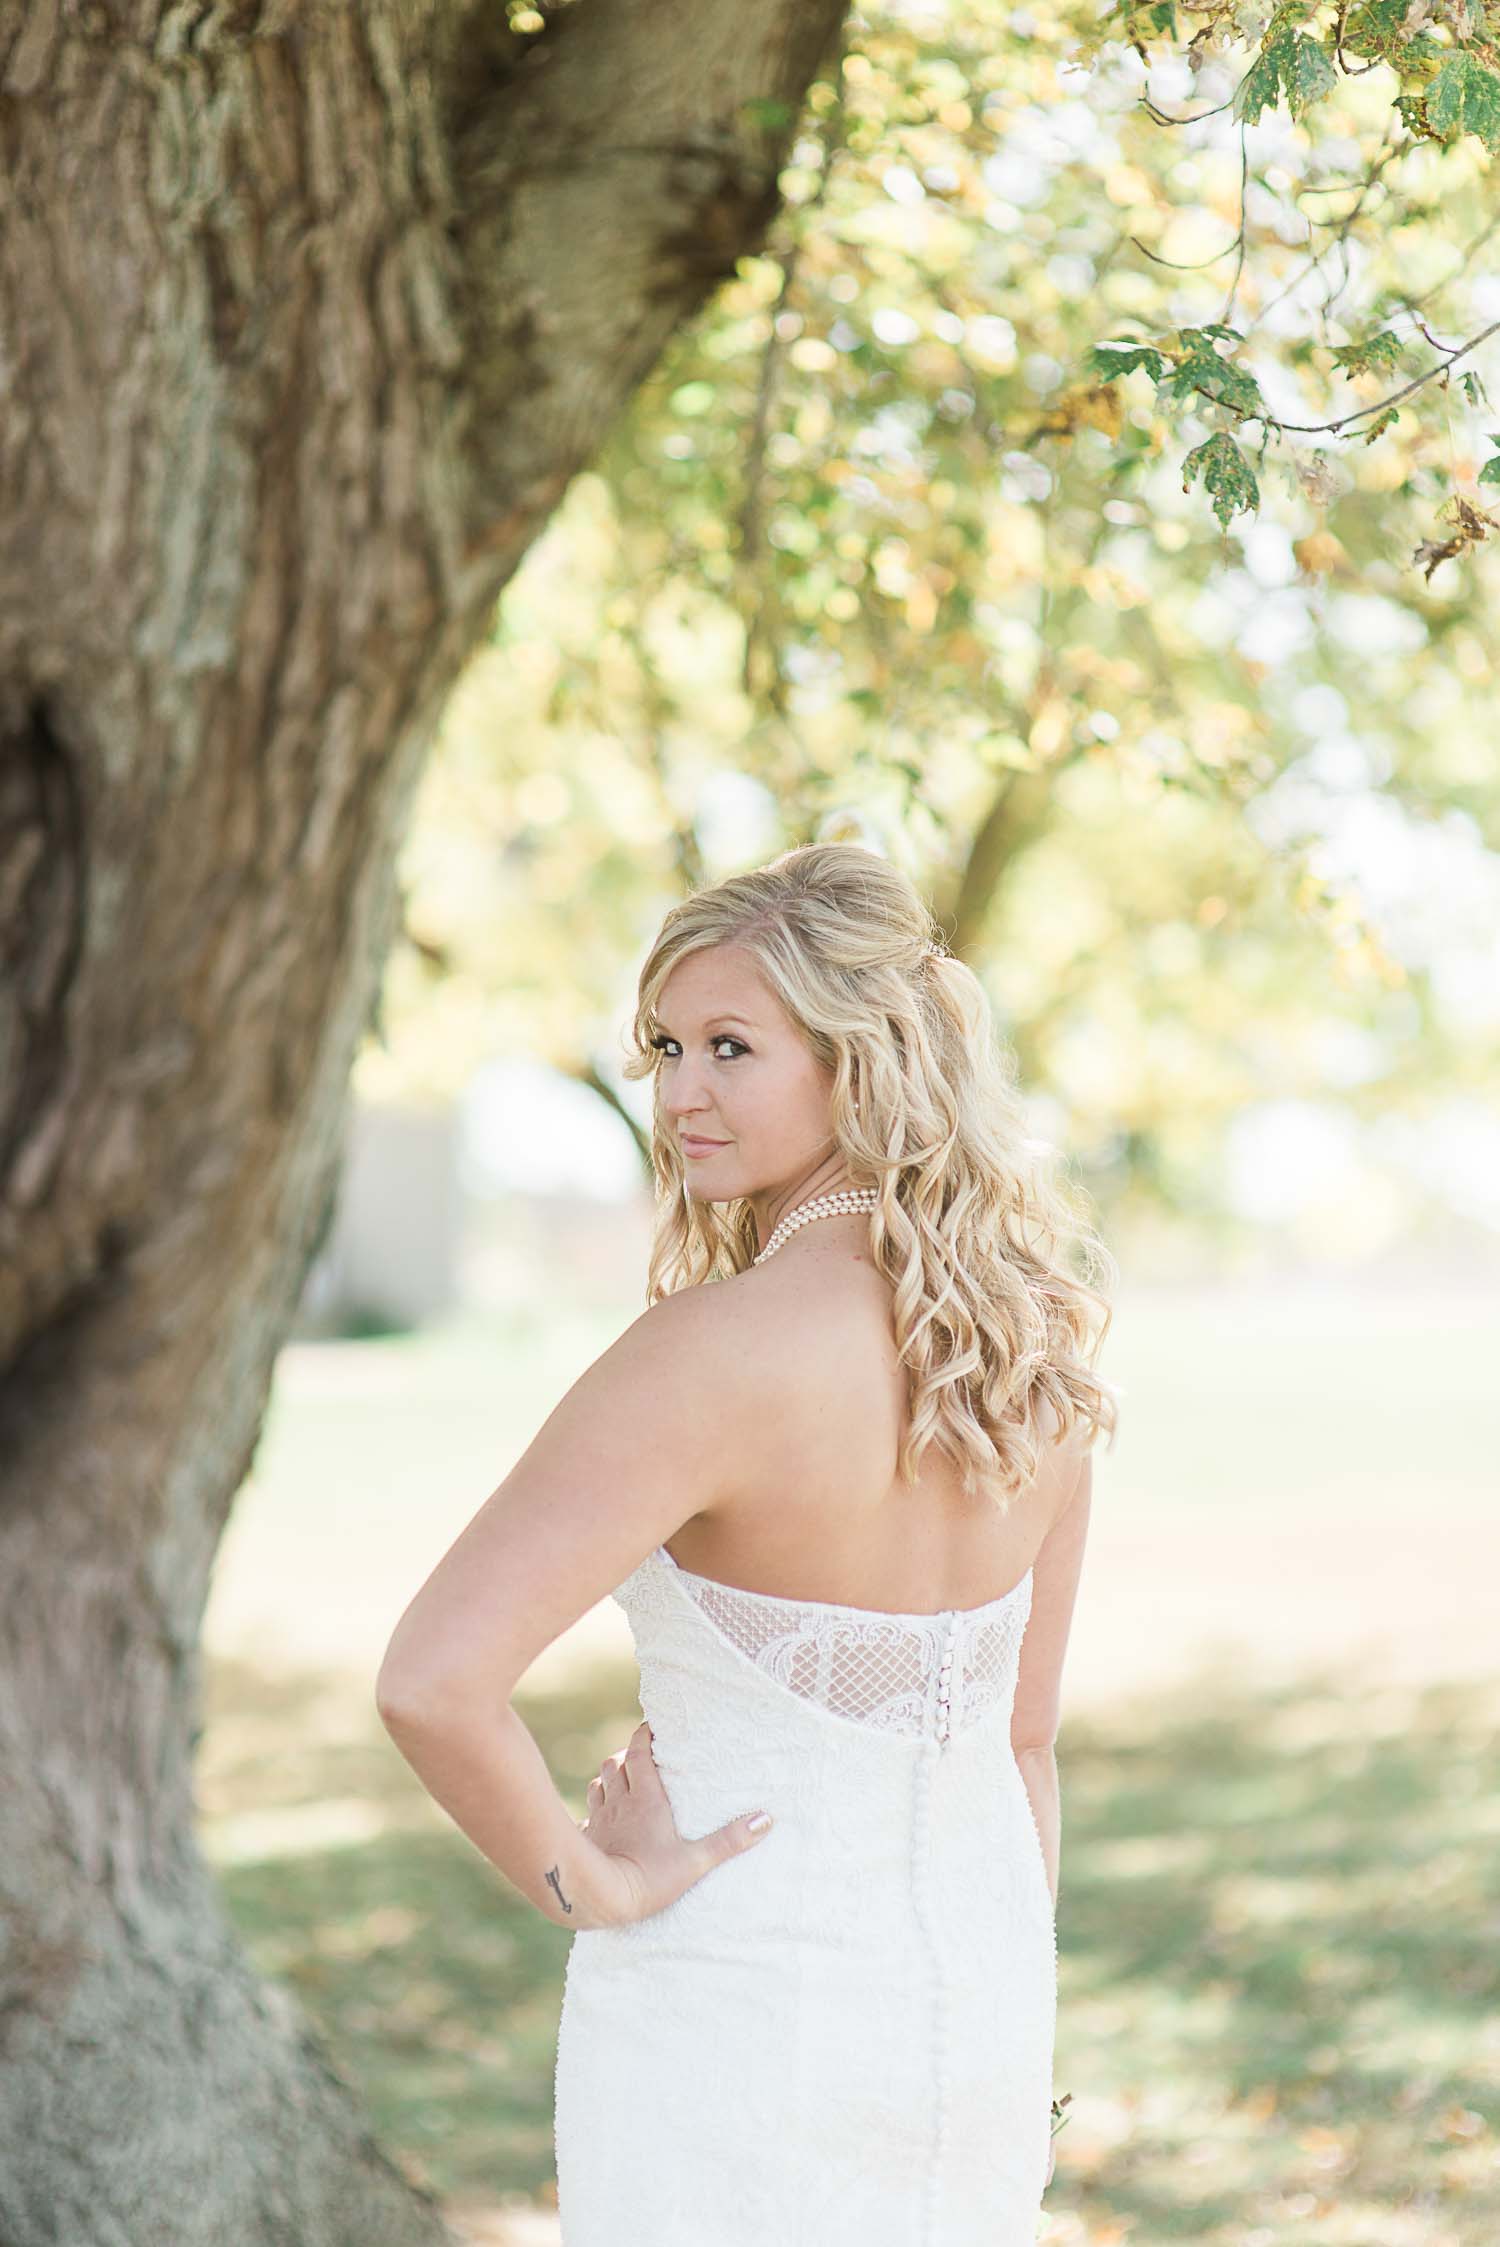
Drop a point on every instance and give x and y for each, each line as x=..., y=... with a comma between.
x=844, y=1203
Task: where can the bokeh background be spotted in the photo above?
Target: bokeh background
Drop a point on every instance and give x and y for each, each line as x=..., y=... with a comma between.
x=1215, y=819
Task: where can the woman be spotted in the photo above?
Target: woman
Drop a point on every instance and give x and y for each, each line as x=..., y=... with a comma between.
x=841, y=1495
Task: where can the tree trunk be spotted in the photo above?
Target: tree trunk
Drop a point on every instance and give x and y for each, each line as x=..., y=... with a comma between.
x=308, y=313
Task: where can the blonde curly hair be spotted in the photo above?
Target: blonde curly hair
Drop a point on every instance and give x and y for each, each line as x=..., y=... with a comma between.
x=971, y=1229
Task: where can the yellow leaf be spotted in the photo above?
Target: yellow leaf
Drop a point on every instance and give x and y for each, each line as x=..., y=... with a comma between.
x=1049, y=728
x=1089, y=406
x=1320, y=554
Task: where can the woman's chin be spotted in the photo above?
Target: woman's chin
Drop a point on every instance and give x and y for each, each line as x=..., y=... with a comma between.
x=704, y=1188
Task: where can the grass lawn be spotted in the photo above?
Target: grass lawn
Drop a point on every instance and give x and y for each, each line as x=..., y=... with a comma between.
x=1280, y=1921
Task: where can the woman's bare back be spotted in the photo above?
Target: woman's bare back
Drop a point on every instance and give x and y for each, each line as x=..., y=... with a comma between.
x=817, y=1511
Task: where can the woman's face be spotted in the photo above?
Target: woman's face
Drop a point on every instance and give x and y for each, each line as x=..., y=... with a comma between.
x=734, y=1071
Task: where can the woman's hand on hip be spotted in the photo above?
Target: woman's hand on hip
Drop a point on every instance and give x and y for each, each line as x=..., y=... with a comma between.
x=647, y=1863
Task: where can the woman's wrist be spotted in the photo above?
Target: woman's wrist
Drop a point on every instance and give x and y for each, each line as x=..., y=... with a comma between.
x=596, y=1894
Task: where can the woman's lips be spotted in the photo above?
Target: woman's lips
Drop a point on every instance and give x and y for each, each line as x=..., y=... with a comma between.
x=702, y=1146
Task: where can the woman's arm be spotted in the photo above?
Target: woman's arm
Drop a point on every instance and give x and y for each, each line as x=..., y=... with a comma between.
x=490, y=1776
x=1036, y=1712
x=1039, y=1770
x=637, y=1446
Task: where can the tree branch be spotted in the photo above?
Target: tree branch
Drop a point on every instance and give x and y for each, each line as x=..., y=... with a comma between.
x=586, y=1072
x=605, y=180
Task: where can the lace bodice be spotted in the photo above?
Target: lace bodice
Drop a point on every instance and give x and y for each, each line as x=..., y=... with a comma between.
x=930, y=1675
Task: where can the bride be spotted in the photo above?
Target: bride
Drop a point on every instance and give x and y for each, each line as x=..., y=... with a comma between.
x=837, y=1476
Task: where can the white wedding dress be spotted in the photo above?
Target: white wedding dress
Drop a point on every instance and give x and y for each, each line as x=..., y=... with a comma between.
x=842, y=2037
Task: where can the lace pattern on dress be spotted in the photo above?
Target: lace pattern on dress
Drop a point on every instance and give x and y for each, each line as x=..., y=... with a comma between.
x=898, y=1673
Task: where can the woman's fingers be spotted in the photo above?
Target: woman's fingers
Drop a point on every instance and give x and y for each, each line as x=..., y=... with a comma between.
x=617, y=1765
x=634, y=1826
x=636, y=1753
x=625, y=1765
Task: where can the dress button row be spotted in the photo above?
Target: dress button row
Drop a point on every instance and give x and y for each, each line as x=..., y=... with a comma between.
x=945, y=1677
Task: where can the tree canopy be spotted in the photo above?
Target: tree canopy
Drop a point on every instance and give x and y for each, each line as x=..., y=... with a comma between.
x=872, y=551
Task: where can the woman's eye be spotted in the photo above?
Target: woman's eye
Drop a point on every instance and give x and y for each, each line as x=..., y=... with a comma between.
x=661, y=1044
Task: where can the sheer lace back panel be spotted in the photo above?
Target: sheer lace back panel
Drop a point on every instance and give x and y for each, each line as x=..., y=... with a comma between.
x=922, y=1674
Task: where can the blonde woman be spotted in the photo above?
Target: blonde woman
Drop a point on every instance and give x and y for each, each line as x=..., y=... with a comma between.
x=837, y=1476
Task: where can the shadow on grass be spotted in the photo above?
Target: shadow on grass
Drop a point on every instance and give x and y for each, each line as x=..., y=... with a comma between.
x=1279, y=2012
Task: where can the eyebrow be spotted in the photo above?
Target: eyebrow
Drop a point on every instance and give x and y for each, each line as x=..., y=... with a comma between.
x=737, y=1019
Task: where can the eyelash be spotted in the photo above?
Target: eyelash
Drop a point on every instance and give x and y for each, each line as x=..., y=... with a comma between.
x=663, y=1041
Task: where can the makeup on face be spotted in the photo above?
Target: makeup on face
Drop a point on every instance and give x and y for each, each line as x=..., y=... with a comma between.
x=737, y=1091
x=720, y=1030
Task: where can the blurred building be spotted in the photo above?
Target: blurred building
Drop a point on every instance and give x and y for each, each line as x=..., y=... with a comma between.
x=391, y=1254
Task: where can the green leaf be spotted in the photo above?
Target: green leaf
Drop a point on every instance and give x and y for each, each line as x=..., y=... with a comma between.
x=1308, y=73
x=1201, y=369
x=1465, y=98
x=1380, y=29
x=1132, y=21
x=1412, y=111
x=1490, y=472
x=1289, y=65
x=1227, y=475
x=1106, y=360
x=1380, y=352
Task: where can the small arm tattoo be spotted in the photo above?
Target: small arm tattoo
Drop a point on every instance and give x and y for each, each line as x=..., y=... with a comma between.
x=554, y=1882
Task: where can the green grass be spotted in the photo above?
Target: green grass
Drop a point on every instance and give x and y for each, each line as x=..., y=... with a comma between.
x=1280, y=2006
x=1279, y=2013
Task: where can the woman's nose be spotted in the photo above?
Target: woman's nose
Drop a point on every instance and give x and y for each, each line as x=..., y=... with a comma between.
x=685, y=1097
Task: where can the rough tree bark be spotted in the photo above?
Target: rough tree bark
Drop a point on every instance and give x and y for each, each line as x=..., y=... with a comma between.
x=309, y=310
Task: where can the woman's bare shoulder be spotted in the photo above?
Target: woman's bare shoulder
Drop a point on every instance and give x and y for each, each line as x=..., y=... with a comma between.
x=780, y=1333
x=1062, y=1453
x=724, y=1318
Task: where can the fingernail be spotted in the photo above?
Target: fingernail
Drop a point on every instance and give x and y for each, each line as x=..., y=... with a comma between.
x=759, y=1822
